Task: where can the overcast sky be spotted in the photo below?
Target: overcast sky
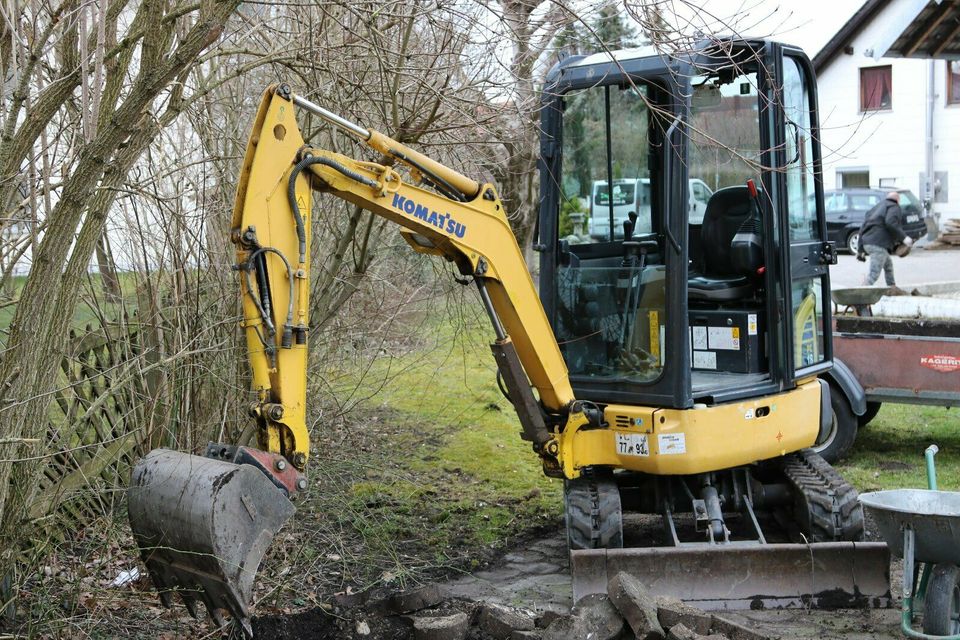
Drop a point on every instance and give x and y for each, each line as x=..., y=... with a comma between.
x=806, y=23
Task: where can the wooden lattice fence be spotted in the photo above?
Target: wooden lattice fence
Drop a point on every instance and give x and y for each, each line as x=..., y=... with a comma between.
x=99, y=424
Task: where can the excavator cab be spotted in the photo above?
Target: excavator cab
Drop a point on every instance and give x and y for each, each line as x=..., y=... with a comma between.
x=713, y=286
x=695, y=318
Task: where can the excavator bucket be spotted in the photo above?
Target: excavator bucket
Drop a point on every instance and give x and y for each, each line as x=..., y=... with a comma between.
x=824, y=575
x=202, y=526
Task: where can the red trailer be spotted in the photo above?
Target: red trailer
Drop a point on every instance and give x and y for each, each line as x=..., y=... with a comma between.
x=915, y=361
x=905, y=360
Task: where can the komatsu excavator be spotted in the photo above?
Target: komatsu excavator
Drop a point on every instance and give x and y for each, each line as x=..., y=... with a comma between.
x=679, y=366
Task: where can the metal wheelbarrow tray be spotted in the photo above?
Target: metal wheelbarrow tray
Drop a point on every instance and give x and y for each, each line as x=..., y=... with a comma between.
x=934, y=517
x=923, y=526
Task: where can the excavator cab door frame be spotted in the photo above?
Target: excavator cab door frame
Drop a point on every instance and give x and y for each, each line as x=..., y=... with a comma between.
x=794, y=303
x=660, y=82
x=806, y=344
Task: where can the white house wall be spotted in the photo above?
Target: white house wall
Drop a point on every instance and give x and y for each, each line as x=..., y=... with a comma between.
x=889, y=143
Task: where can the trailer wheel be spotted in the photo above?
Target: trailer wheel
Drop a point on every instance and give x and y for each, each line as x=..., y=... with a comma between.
x=873, y=408
x=941, y=606
x=843, y=429
x=593, y=514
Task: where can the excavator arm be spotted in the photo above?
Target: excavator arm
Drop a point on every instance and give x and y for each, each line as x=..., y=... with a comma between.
x=456, y=218
x=203, y=523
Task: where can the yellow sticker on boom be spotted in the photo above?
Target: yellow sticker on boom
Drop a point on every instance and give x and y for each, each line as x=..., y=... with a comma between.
x=654, y=318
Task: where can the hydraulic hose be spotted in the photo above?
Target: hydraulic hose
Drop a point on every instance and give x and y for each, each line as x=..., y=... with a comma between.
x=287, y=338
x=307, y=161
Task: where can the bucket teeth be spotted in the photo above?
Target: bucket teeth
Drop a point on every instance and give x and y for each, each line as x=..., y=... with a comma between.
x=246, y=627
x=203, y=526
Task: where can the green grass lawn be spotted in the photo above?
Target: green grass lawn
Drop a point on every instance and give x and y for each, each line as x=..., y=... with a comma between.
x=91, y=307
x=456, y=440
x=888, y=453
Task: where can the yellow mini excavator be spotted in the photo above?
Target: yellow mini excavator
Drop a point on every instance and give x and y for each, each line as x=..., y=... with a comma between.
x=676, y=362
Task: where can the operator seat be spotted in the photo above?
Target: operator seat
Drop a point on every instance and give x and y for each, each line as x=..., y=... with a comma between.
x=732, y=246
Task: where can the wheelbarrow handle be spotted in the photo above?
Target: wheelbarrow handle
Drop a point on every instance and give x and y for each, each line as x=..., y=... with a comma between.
x=931, y=451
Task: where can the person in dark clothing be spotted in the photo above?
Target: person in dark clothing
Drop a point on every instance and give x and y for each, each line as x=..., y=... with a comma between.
x=880, y=233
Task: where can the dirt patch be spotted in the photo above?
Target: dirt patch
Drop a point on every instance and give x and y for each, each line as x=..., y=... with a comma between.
x=361, y=622
x=320, y=624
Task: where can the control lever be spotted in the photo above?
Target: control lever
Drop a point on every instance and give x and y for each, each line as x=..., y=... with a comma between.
x=629, y=226
x=630, y=279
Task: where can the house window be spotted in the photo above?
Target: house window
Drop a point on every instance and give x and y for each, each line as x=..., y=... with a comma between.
x=849, y=178
x=876, y=88
x=953, y=82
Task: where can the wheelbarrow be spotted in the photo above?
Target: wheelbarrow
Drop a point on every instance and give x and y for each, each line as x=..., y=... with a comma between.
x=923, y=526
x=860, y=298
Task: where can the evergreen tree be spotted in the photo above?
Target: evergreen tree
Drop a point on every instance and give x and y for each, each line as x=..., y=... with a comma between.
x=612, y=28
x=569, y=42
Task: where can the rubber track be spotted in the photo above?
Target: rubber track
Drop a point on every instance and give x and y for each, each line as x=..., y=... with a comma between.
x=826, y=504
x=593, y=514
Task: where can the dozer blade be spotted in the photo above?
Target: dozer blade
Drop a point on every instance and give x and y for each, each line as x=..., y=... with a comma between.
x=825, y=575
x=202, y=526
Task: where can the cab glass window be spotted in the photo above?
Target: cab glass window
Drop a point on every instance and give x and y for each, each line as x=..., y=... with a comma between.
x=610, y=299
x=605, y=177
x=801, y=194
x=724, y=129
x=804, y=226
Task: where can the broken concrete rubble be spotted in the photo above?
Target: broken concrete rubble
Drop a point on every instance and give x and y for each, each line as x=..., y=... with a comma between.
x=408, y=601
x=451, y=627
x=636, y=605
x=629, y=612
x=673, y=611
x=500, y=621
x=592, y=617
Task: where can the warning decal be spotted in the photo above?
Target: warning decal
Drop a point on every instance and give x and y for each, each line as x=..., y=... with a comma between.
x=724, y=338
x=672, y=443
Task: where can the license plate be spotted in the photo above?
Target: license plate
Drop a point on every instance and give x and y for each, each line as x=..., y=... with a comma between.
x=913, y=218
x=632, y=444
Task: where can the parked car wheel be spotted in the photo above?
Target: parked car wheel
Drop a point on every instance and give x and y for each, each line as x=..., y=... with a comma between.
x=853, y=241
x=843, y=428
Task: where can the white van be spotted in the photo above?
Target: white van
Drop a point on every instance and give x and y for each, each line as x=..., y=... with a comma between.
x=633, y=195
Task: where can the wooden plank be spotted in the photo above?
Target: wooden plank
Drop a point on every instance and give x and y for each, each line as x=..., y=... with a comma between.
x=94, y=408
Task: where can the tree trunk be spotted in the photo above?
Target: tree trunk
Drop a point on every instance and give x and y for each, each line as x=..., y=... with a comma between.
x=109, y=281
x=29, y=371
